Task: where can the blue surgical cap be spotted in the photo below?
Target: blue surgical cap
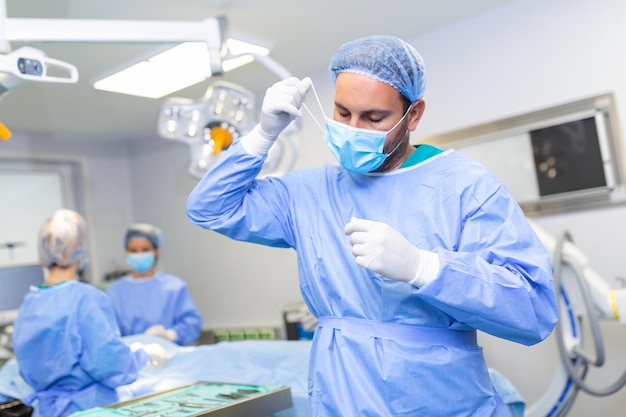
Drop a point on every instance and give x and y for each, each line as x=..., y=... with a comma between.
x=145, y=230
x=62, y=239
x=383, y=58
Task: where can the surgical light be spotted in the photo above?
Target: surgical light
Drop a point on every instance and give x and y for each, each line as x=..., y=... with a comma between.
x=212, y=124
x=5, y=133
x=31, y=64
x=203, y=45
x=209, y=125
x=176, y=68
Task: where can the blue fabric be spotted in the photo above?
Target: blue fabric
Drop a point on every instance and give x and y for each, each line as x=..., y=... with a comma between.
x=69, y=349
x=384, y=58
x=495, y=274
x=146, y=231
x=509, y=394
x=269, y=362
x=264, y=362
x=420, y=154
x=162, y=299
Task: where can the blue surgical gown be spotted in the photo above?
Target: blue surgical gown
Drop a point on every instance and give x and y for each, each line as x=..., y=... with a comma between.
x=162, y=299
x=69, y=350
x=383, y=347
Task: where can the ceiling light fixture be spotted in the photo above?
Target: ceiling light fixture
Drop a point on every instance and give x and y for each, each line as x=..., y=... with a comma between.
x=207, y=130
x=207, y=36
x=176, y=68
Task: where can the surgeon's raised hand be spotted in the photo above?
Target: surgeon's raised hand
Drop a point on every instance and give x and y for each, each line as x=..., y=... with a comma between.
x=281, y=105
x=381, y=249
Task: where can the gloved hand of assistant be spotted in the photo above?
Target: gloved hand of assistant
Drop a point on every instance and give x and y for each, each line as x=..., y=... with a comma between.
x=381, y=249
x=160, y=331
x=281, y=105
x=156, y=353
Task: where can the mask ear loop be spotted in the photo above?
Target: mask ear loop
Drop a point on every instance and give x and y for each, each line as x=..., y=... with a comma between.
x=396, y=125
x=321, y=108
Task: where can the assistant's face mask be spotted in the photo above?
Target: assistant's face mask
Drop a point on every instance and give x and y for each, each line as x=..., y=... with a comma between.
x=357, y=150
x=140, y=262
x=83, y=263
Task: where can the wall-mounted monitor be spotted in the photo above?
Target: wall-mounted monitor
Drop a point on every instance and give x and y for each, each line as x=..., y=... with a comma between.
x=561, y=158
x=15, y=282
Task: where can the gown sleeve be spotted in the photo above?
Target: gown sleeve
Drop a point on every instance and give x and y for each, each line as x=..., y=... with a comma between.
x=499, y=278
x=231, y=201
x=188, y=322
x=105, y=357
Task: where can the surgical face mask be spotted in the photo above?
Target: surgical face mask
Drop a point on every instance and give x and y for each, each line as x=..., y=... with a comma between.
x=83, y=263
x=357, y=150
x=140, y=262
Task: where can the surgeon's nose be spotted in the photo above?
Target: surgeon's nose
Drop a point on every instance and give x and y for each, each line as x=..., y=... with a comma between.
x=356, y=122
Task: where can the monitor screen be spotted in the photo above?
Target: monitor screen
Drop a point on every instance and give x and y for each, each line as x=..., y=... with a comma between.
x=15, y=281
x=568, y=157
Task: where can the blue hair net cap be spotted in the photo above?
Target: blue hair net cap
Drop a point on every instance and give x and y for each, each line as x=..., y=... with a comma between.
x=62, y=238
x=383, y=58
x=145, y=230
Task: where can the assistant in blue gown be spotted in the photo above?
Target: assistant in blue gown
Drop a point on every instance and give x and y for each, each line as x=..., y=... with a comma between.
x=384, y=347
x=66, y=340
x=151, y=301
x=162, y=299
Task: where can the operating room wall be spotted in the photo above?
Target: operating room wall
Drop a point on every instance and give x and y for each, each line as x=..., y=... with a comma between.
x=145, y=180
x=522, y=57
x=108, y=207
x=235, y=284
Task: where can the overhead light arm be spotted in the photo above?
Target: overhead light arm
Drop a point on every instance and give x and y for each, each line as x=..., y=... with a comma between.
x=216, y=43
x=4, y=42
x=271, y=64
x=116, y=31
x=211, y=31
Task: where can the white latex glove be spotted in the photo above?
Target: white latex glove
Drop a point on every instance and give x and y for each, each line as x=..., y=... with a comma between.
x=160, y=331
x=281, y=105
x=171, y=335
x=156, y=330
x=381, y=249
x=156, y=352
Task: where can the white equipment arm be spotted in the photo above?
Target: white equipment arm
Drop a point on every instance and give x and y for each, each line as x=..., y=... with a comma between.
x=581, y=292
x=610, y=303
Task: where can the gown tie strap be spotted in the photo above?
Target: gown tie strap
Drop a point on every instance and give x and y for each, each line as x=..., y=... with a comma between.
x=401, y=332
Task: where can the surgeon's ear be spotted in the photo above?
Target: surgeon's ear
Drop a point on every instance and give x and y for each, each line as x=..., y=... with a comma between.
x=415, y=114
